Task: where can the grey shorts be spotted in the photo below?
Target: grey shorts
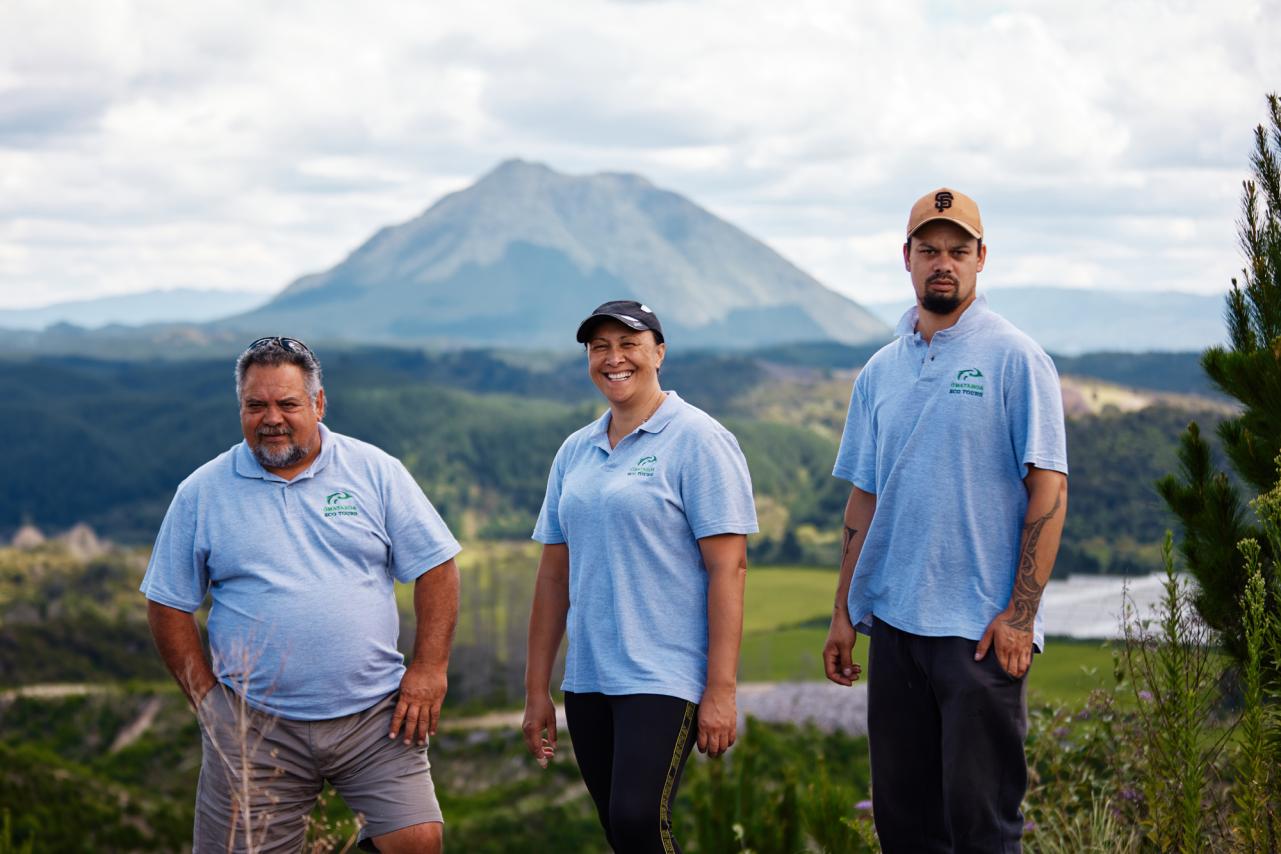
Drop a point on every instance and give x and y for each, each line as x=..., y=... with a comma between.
x=278, y=767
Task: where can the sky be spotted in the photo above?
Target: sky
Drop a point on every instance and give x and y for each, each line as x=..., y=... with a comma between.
x=238, y=145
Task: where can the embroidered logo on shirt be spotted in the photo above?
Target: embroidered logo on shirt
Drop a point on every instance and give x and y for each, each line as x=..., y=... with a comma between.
x=644, y=467
x=340, y=504
x=968, y=381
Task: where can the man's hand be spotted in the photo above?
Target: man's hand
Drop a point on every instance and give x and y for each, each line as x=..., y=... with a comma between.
x=717, y=721
x=422, y=691
x=178, y=640
x=1013, y=647
x=540, y=718
x=838, y=652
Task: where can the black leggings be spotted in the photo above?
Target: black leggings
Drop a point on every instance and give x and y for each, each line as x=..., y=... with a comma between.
x=631, y=750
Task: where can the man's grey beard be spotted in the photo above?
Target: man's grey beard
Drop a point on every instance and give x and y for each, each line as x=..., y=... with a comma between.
x=278, y=458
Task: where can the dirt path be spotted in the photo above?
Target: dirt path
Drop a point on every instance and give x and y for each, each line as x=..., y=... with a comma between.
x=829, y=707
x=56, y=690
x=138, y=726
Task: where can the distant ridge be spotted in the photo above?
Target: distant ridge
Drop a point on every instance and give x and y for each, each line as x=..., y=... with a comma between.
x=187, y=305
x=1073, y=320
x=521, y=256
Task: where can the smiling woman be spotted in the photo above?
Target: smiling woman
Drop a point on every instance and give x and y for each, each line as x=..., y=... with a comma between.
x=644, y=527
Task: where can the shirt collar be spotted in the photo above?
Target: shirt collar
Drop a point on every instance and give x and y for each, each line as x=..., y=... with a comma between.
x=247, y=464
x=969, y=319
x=654, y=424
x=664, y=414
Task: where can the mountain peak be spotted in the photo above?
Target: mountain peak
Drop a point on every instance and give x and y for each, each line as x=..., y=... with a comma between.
x=515, y=167
x=516, y=258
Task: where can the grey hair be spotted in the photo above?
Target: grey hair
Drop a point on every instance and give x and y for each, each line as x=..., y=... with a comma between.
x=272, y=354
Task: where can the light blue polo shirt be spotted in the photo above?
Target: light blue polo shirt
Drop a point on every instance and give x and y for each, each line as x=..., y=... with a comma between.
x=301, y=572
x=632, y=517
x=942, y=434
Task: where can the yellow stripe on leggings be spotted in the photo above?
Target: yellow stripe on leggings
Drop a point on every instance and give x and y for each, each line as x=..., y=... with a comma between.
x=664, y=805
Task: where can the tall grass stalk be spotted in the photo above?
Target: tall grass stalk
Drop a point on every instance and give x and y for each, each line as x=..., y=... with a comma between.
x=1176, y=683
x=1251, y=820
x=7, y=845
x=827, y=814
x=1098, y=829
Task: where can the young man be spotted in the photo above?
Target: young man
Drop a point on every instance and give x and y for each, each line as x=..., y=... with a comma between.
x=955, y=447
x=299, y=534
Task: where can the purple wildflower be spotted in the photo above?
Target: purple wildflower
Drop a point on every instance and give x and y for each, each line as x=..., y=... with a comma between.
x=863, y=806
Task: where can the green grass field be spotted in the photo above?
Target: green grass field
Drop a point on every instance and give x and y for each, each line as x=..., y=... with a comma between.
x=786, y=619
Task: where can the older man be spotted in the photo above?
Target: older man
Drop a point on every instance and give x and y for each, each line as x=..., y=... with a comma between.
x=954, y=444
x=299, y=534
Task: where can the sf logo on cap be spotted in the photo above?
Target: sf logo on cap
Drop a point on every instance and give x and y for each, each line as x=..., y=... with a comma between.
x=942, y=201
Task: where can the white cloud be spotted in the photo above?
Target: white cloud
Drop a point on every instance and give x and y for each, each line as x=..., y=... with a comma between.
x=149, y=144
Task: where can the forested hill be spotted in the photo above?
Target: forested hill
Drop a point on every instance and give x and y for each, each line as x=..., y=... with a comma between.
x=107, y=442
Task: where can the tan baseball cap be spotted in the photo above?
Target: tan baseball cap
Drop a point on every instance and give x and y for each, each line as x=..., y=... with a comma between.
x=949, y=205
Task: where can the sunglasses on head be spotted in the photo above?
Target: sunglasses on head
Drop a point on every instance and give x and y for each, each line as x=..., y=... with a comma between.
x=293, y=345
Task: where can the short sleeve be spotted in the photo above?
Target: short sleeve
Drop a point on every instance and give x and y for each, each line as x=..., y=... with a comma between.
x=856, y=457
x=177, y=575
x=1034, y=403
x=547, y=530
x=420, y=540
x=716, y=487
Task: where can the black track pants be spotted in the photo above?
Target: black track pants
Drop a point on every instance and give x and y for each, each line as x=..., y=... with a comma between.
x=946, y=735
x=631, y=749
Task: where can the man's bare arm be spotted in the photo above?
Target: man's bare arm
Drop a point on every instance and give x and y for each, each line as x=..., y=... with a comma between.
x=1011, y=631
x=838, y=651
x=178, y=640
x=426, y=680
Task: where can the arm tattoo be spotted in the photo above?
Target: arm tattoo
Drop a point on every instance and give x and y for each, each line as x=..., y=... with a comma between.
x=845, y=543
x=845, y=553
x=1027, y=590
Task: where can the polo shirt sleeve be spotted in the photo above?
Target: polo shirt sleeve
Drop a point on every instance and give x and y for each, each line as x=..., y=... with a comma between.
x=420, y=540
x=177, y=575
x=1034, y=403
x=856, y=457
x=547, y=530
x=716, y=487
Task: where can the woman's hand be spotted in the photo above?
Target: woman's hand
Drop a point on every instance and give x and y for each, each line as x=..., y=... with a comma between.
x=717, y=721
x=539, y=727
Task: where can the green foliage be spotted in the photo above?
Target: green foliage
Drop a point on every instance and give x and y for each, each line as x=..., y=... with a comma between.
x=1098, y=828
x=1115, y=458
x=765, y=797
x=7, y=843
x=1209, y=506
x=825, y=812
x=1253, y=825
x=1173, y=372
x=1174, y=663
x=107, y=442
x=60, y=806
x=64, y=618
x=1081, y=759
